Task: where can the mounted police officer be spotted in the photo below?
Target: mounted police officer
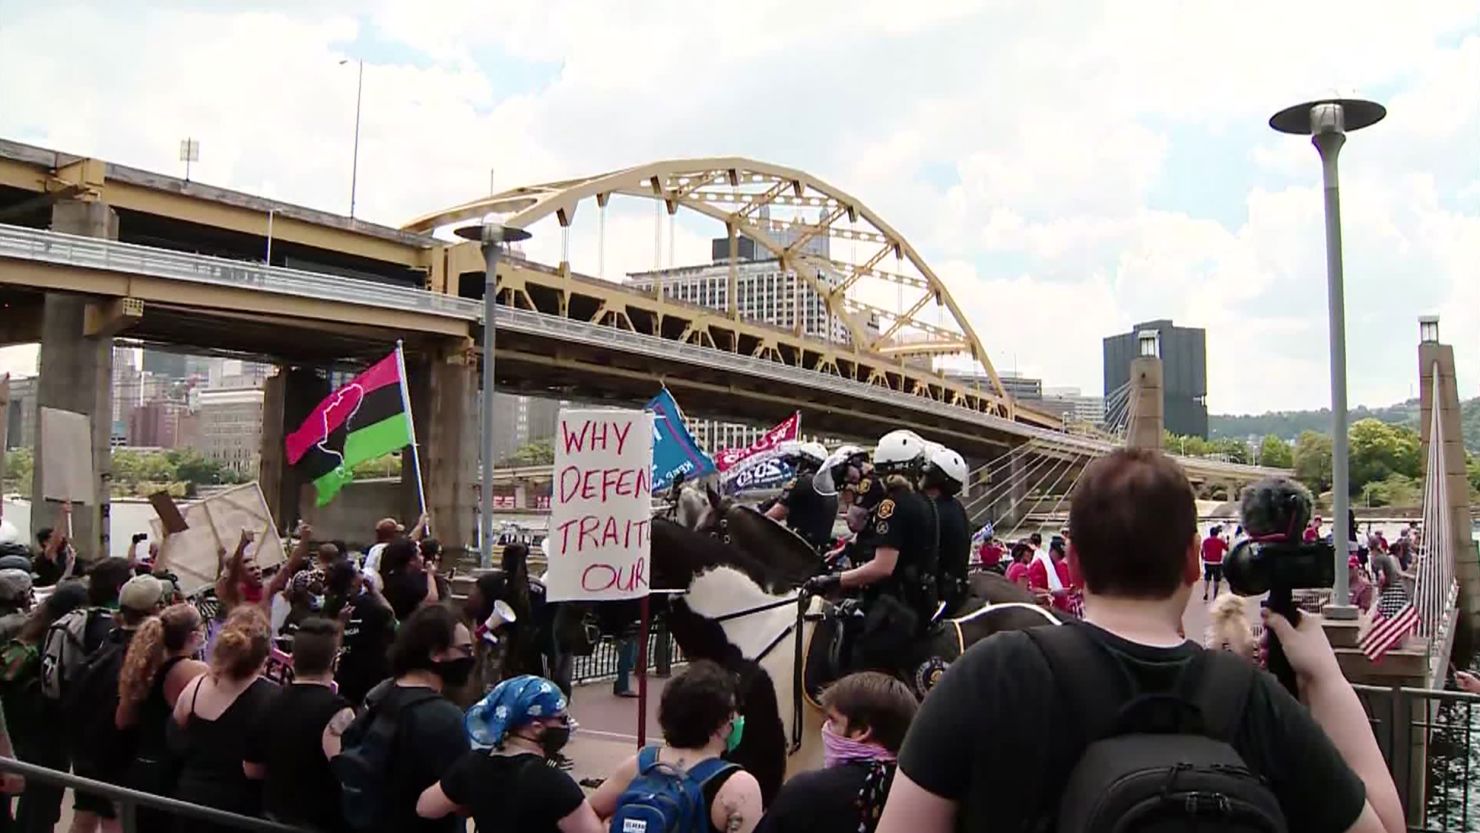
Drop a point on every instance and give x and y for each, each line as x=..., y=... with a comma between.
x=896, y=582
x=944, y=476
x=801, y=507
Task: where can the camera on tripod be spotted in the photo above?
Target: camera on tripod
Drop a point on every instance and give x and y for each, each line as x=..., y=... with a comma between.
x=1273, y=557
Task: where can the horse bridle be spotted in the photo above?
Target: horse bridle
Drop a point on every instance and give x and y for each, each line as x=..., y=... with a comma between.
x=795, y=628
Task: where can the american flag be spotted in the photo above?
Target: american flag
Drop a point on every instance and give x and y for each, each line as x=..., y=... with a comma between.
x=1387, y=633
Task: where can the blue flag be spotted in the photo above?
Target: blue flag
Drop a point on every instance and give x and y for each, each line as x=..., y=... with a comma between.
x=674, y=449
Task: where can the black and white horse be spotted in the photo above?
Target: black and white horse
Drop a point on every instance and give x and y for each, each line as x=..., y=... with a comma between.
x=741, y=607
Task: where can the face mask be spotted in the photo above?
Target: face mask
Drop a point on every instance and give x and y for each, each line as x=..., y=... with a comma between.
x=454, y=672
x=554, y=739
x=737, y=730
x=840, y=749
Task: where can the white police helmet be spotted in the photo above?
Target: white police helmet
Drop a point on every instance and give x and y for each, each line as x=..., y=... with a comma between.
x=832, y=476
x=944, y=469
x=899, y=450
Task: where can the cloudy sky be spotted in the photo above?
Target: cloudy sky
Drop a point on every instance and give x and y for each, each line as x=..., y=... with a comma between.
x=1070, y=168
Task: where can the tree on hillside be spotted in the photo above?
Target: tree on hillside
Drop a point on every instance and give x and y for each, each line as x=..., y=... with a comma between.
x=18, y=468
x=1312, y=460
x=1379, y=450
x=538, y=453
x=1275, y=452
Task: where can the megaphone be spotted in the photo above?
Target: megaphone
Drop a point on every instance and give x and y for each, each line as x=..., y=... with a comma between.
x=502, y=615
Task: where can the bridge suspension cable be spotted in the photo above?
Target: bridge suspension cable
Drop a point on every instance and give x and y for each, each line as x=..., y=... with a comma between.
x=997, y=490
x=1082, y=459
x=1434, y=590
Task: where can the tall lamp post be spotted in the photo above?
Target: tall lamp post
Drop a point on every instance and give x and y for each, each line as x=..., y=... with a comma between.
x=1327, y=122
x=354, y=165
x=491, y=235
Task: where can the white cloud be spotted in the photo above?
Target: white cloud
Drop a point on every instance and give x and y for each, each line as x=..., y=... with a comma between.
x=1026, y=149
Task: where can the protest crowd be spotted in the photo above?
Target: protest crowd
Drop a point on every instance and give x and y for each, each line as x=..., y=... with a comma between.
x=342, y=691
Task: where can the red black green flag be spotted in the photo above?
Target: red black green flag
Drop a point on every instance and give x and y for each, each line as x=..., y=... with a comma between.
x=366, y=418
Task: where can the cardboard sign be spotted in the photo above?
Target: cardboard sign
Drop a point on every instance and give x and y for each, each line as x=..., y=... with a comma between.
x=66, y=456
x=601, y=509
x=217, y=523
x=731, y=461
x=168, y=512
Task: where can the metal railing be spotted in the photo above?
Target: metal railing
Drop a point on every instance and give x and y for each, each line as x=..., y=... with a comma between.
x=113, y=256
x=1425, y=736
x=663, y=654
x=129, y=801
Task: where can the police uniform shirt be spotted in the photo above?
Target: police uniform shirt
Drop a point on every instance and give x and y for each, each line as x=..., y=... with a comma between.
x=902, y=522
x=810, y=514
x=955, y=536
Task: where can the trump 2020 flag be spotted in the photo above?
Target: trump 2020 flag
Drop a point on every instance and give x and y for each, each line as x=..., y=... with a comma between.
x=362, y=420
x=674, y=449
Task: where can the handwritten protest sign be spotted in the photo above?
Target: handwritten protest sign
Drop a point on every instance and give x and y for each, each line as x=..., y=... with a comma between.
x=601, y=507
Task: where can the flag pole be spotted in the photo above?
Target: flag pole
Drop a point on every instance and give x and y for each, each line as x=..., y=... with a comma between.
x=421, y=492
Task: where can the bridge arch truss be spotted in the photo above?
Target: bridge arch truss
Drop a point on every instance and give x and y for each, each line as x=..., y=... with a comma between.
x=789, y=213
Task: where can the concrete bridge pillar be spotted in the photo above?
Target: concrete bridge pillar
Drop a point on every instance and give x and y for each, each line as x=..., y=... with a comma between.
x=1432, y=357
x=444, y=402
x=287, y=399
x=75, y=373
x=1147, y=416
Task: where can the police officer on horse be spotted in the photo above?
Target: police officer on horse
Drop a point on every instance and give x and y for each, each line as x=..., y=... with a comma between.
x=801, y=507
x=897, y=581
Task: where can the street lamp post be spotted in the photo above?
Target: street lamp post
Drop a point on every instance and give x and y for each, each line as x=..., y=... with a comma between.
x=354, y=169
x=1327, y=122
x=491, y=235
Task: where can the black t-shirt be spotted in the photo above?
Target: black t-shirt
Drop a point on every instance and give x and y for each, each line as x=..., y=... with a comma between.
x=363, y=659
x=429, y=740
x=49, y=572
x=811, y=515
x=299, y=788
x=511, y=792
x=955, y=536
x=821, y=801
x=996, y=736
x=406, y=591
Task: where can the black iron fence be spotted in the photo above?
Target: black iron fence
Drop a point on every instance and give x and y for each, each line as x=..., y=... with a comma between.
x=1425, y=735
x=129, y=801
x=602, y=664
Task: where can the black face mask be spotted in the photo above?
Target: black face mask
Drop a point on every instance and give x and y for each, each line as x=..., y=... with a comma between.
x=554, y=739
x=454, y=672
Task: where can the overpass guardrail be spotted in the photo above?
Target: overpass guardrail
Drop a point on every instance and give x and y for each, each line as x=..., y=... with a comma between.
x=131, y=258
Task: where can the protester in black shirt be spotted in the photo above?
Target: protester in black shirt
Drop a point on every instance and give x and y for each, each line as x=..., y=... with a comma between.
x=218, y=713
x=508, y=784
x=369, y=628
x=433, y=651
x=994, y=743
x=406, y=583
x=301, y=734
x=156, y=669
x=55, y=559
x=867, y=716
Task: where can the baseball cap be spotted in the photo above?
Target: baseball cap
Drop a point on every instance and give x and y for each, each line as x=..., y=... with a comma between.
x=141, y=593
x=15, y=585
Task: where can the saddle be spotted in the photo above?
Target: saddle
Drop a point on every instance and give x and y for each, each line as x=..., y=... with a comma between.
x=831, y=654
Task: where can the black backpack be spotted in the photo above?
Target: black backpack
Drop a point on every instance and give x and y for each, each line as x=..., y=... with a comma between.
x=88, y=707
x=1157, y=761
x=363, y=764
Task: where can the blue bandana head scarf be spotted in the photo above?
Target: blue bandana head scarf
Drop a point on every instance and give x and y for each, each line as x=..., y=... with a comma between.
x=512, y=703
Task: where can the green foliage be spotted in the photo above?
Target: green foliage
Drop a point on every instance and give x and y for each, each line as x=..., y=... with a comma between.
x=1287, y=425
x=1224, y=448
x=541, y=453
x=1312, y=460
x=1379, y=450
x=1393, y=490
x=386, y=465
x=18, y=468
x=1275, y=452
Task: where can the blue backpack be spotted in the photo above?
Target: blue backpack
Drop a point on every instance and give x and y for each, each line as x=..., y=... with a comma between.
x=664, y=798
